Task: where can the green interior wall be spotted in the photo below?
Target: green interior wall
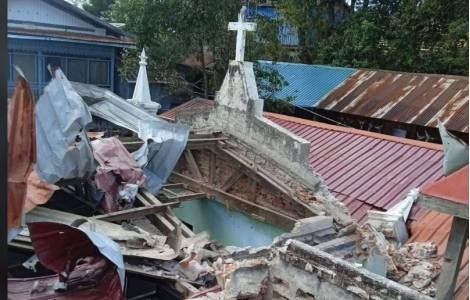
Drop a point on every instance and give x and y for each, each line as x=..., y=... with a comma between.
x=230, y=227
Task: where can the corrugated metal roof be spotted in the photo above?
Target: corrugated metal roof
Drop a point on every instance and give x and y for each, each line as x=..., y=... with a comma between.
x=435, y=227
x=419, y=99
x=453, y=187
x=72, y=36
x=366, y=170
x=191, y=105
x=307, y=83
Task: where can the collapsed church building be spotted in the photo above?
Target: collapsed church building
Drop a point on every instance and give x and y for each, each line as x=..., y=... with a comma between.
x=220, y=202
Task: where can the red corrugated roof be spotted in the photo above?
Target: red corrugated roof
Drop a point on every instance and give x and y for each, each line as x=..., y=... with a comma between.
x=191, y=105
x=452, y=188
x=366, y=170
x=435, y=227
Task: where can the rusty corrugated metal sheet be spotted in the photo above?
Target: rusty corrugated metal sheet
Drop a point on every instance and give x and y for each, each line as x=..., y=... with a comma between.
x=436, y=227
x=419, y=99
x=70, y=253
x=21, y=148
x=363, y=169
x=191, y=105
x=452, y=188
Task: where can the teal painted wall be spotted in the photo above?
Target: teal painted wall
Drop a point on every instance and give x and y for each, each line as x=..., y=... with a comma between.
x=230, y=227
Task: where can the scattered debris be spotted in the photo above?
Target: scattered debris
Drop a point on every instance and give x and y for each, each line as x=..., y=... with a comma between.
x=117, y=175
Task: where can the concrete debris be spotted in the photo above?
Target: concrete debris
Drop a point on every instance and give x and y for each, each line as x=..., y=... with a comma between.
x=249, y=283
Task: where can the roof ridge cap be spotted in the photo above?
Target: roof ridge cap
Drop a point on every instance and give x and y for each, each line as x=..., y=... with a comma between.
x=376, y=135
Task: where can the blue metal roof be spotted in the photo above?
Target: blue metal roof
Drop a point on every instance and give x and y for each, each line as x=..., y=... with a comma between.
x=308, y=84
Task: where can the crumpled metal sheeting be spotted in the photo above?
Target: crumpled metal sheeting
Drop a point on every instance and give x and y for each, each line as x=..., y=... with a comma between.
x=37, y=191
x=21, y=148
x=60, y=247
x=158, y=158
x=168, y=141
x=63, y=147
x=109, y=106
x=116, y=165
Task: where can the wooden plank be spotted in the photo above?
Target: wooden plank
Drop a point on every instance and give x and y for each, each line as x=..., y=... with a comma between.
x=192, y=165
x=159, y=220
x=151, y=199
x=264, y=178
x=173, y=185
x=444, y=206
x=241, y=204
x=453, y=257
x=236, y=175
x=136, y=212
x=208, y=139
x=212, y=167
x=187, y=197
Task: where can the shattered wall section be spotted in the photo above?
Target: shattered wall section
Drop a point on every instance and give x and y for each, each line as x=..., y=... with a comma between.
x=238, y=112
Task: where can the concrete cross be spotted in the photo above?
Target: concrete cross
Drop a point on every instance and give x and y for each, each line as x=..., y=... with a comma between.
x=241, y=27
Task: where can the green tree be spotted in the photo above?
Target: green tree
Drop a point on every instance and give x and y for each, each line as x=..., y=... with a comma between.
x=171, y=30
x=99, y=8
x=429, y=36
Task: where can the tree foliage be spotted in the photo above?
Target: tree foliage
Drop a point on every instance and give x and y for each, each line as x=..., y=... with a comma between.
x=99, y=8
x=428, y=36
x=172, y=30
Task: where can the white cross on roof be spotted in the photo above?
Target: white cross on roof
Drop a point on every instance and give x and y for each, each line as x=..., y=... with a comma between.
x=241, y=27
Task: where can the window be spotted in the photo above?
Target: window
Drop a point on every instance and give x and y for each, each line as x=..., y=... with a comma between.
x=55, y=62
x=77, y=70
x=27, y=64
x=99, y=72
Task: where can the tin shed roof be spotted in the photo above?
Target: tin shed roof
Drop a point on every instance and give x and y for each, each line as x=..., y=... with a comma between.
x=308, y=84
x=366, y=170
x=411, y=98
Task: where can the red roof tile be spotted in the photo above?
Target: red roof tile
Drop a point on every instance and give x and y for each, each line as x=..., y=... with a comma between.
x=435, y=226
x=191, y=105
x=366, y=170
x=452, y=188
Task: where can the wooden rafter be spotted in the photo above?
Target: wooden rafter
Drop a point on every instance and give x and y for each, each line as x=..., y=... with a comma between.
x=257, y=211
x=192, y=165
x=236, y=175
x=136, y=212
x=212, y=168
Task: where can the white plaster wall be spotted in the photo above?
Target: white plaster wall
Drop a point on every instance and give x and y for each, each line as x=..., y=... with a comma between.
x=41, y=12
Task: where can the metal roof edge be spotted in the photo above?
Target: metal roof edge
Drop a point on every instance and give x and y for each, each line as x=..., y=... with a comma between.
x=305, y=65
x=375, y=135
x=79, y=41
x=85, y=15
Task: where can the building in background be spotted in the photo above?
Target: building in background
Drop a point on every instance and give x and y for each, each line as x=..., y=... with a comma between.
x=59, y=34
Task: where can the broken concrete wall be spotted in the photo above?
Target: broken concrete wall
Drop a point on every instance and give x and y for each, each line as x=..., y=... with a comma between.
x=238, y=112
x=334, y=278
